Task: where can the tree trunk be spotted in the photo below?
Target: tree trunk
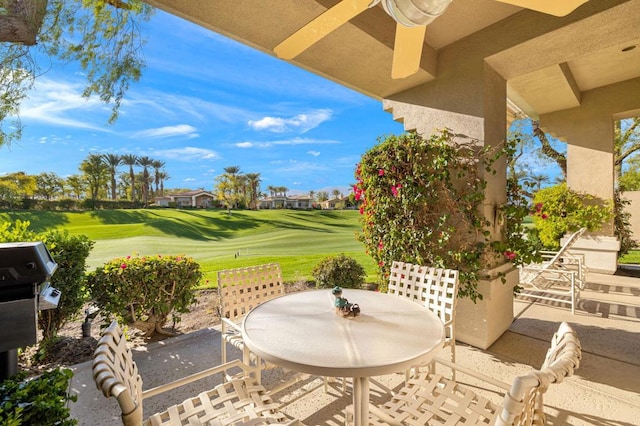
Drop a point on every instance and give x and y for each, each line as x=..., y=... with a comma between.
x=22, y=22
x=548, y=150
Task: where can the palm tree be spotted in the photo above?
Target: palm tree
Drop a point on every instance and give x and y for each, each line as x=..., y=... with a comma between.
x=95, y=173
x=162, y=176
x=253, y=180
x=271, y=189
x=112, y=161
x=157, y=166
x=145, y=162
x=232, y=175
x=336, y=193
x=131, y=160
x=538, y=179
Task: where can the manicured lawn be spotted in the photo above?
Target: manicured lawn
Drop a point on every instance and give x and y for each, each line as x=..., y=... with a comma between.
x=633, y=257
x=298, y=240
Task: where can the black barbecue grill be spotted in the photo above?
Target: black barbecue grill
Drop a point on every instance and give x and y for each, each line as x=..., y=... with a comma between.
x=25, y=269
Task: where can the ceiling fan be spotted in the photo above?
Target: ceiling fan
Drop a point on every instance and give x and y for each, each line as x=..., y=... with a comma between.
x=412, y=17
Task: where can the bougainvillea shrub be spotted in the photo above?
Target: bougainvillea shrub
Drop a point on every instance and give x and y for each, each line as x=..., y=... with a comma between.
x=143, y=291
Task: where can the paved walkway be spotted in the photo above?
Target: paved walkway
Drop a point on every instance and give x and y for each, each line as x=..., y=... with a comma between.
x=604, y=391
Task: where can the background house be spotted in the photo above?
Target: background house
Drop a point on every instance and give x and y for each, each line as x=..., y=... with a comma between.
x=200, y=199
x=286, y=202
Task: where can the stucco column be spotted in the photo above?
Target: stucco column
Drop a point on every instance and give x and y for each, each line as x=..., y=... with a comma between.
x=472, y=104
x=590, y=156
x=590, y=169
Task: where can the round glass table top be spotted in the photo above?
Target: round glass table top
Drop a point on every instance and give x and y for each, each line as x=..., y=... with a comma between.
x=302, y=331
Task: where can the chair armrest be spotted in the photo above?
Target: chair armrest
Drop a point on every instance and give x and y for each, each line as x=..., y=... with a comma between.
x=542, y=271
x=473, y=373
x=236, y=363
x=230, y=323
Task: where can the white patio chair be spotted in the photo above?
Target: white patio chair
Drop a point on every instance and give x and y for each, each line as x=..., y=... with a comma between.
x=561, y=273
x=238, y=401
x=435, y=288
x=240, y=290
x=430, y=399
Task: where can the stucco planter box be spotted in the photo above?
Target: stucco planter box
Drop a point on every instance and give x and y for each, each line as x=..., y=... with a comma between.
x=600, y=253
x=482, y=323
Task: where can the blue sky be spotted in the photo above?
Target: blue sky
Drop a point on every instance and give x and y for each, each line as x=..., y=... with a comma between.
x=204, y=103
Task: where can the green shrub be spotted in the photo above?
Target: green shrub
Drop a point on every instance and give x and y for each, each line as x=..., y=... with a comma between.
x=143, y=291
x=559, y=210
x=622, y=224
x=70, y=253
x=42, y=400
x=341, y=270
x=16, y=232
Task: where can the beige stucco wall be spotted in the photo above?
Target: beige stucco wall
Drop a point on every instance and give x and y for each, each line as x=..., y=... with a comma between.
x=634, y=209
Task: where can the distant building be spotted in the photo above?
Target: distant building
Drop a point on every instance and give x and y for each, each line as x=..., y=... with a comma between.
x=340, y=202
x=200, y=198
x=286, y=202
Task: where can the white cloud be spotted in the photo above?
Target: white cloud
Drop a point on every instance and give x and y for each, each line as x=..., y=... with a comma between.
x=188, y=153
x=244, y=145
x=314, y=153
x=168, y=131
x=292, y=142
x=301, y=167
x=171, y=105
x=61, y=104
x=300, y=123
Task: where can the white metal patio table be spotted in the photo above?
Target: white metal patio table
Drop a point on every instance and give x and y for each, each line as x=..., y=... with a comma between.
x=302, y=332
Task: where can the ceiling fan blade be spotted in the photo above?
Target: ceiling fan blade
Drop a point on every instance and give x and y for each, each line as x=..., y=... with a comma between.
x=407, y=50
x=551, y=7
x=319, y=27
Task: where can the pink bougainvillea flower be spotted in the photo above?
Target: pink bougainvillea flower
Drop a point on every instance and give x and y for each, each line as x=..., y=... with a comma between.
x=123, y=266
x=381, y=263
x=361, y=210
x=544, y=216
x=538, y=207
x=380, y=245
x=128, y=257
x=510, y=255
x=394, y=189
x=380, y=172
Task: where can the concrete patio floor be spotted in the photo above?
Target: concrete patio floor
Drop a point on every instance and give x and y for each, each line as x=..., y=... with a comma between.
x=605, y=390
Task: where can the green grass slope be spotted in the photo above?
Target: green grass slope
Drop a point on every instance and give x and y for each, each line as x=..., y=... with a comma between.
x=297, y=240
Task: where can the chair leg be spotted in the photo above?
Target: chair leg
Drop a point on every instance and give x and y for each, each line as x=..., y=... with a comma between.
x=246, y=358
x=573, y=294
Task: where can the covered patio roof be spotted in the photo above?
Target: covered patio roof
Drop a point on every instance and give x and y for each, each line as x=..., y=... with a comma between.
x=550, y=63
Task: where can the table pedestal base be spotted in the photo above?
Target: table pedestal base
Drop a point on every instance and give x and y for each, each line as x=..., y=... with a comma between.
x=360, y=401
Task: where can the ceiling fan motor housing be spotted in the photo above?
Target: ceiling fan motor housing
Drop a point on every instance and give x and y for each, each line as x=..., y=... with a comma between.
x=411, y=13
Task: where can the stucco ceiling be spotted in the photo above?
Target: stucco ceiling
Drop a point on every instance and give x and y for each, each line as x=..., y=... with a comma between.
x=548, y=62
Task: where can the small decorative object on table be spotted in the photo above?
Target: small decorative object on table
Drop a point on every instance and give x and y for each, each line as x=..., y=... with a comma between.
x=342, y=305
